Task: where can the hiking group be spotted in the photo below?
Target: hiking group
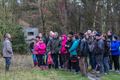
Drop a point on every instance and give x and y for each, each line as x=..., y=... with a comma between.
x=75, y=52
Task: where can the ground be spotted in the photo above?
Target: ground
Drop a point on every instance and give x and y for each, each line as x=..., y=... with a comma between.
x=22, y=69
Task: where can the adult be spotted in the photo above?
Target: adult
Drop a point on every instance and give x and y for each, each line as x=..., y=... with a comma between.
x=98, y=51
x=106, y=54
x=115, y=53
x=73, y=53
x=84, y=51
x=7, y=50
x=110, y=37
x=54, y=47
x=40, y=50
x=68, y=46
x=90, y=40
x=63, y=51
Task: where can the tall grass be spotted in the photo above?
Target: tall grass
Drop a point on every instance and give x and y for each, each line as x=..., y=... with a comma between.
x=21, y=69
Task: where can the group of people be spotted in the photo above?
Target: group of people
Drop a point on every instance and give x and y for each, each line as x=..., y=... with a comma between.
x=77, y=51
x=72, y=52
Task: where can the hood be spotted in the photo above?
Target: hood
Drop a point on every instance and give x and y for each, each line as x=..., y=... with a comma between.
x=65, y=37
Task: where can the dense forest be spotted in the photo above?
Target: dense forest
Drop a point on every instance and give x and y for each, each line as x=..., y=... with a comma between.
x=64, y=15
x=58, y=15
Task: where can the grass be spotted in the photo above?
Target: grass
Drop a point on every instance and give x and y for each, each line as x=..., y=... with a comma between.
x=39, y=75
x=111, y=76
x=21, y=69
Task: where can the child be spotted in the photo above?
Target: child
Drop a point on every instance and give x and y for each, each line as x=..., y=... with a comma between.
x=33, y=55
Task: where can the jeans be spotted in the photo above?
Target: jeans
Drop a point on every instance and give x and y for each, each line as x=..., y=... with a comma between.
x=92, y=60
x=34, y=59
x=83, y=65
x=99, y=63
x=106, y=64
x=7, y=63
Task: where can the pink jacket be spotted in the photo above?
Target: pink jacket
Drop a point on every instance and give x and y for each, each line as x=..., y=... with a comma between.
x=39, y=48
x=63, y=50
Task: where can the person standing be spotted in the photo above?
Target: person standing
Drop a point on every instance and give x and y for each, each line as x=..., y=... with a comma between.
x=84, y=52
x=40, y=50
x=106, y=54
x=63, y=52
x=115, y=53
x=33, y=55
x=73, y=54
x=54, y=47
x=99, y=51
x=110, y=36
x=68, y=45
x=7, y=51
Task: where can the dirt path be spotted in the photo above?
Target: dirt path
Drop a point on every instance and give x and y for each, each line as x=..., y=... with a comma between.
x=93, y=77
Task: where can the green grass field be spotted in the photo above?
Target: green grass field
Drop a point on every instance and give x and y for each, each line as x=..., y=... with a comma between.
x=40, y=75
x=21, y=69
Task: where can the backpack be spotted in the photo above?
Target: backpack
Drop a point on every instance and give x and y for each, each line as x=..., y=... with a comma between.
x=97, y=50
x=84, y=48
x=74, y=59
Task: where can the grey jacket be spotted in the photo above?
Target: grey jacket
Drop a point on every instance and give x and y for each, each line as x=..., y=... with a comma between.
x=7, y=48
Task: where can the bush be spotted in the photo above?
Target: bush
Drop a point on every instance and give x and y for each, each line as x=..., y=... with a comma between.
x=19, y=45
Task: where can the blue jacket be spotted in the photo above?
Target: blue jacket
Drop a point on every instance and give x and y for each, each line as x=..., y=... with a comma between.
x=115, y=48
x=73, y=49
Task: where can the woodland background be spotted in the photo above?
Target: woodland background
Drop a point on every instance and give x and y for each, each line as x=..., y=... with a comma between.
x=57, y=15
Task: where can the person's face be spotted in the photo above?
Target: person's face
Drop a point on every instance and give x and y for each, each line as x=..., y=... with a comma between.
x=73, y=38
x=97, y=37
x=103, y=37
x=8, y=36
x=69, y=37
x=40, y=35
x=62, y=38
x=87, y=36
x=109, y=33
x=37, y=39
x=40, y=40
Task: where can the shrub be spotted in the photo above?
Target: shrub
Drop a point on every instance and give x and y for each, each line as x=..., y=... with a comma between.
x=19, y=45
